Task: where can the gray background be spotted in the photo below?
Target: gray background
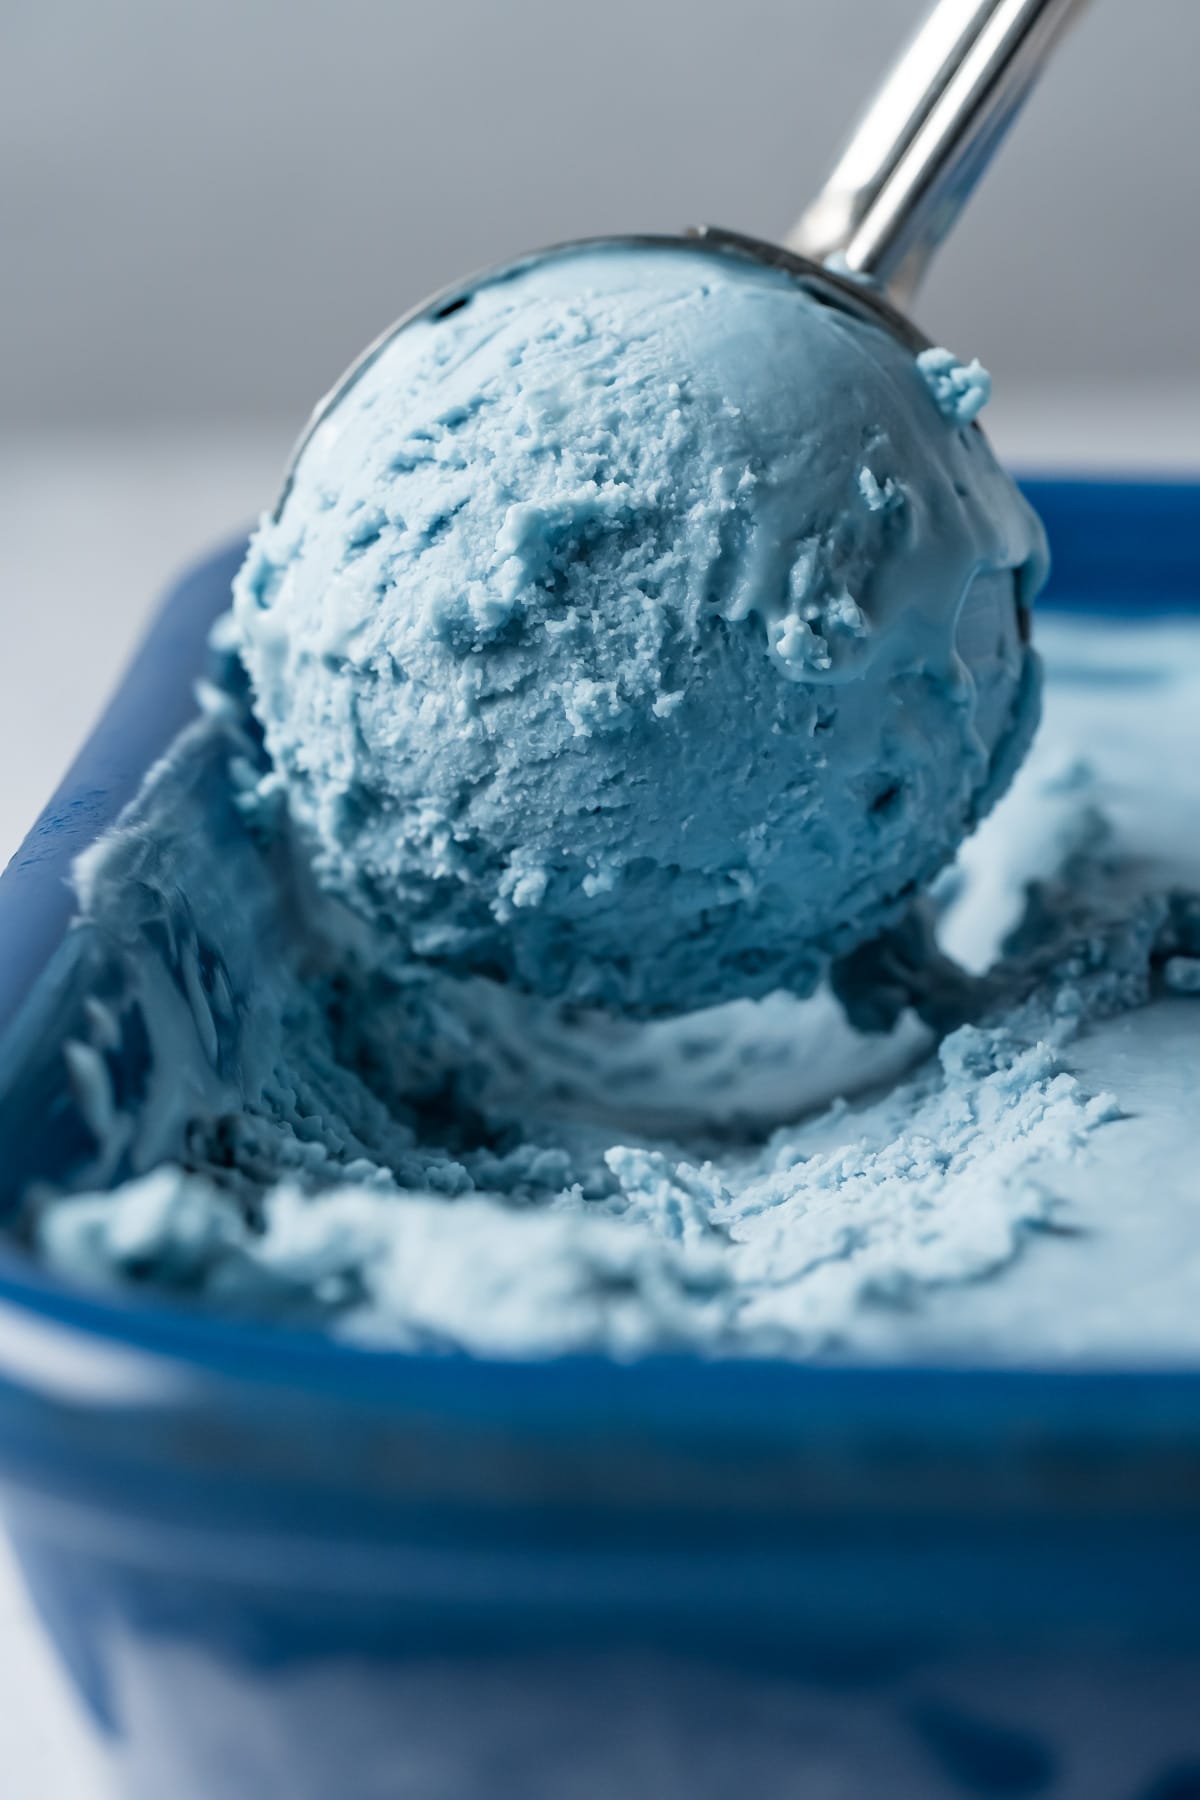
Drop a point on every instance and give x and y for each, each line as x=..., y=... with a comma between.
x=207, y=207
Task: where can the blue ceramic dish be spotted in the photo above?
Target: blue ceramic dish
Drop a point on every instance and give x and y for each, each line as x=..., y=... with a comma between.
x=275, y=1566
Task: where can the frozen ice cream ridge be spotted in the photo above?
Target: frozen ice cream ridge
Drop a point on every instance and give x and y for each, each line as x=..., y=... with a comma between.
x=527, y=949
x=638, y=637
x=642, y=629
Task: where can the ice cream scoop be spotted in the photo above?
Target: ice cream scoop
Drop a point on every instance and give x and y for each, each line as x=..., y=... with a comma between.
x=644, y=622
x=904, y=176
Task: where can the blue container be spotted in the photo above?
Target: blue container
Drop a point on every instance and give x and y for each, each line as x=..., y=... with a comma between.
x=277, y=1567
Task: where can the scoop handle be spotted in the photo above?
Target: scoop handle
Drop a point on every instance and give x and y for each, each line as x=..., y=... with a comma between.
x=927, y=137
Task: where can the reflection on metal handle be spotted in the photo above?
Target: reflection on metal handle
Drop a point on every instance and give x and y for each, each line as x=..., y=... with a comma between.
x=928, y=136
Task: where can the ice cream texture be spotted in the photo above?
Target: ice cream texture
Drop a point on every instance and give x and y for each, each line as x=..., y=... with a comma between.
x=643, y=629
x=530, y=947
x=254, y=1109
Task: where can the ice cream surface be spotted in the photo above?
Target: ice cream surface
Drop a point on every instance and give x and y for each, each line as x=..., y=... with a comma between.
x=526, y=950
x=643, y=628
x=247, y=1108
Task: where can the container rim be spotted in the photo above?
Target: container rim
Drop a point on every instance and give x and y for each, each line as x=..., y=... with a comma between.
x=1115, y=542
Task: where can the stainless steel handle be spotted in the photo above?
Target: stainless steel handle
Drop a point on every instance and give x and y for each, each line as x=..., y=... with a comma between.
x=927, y=137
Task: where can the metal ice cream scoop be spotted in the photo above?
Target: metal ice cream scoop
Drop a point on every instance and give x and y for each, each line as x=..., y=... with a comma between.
x=926, y=138
x=895, y=192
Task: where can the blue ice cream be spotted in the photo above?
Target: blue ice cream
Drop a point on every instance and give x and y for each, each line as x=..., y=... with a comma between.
x=642, y=630
x=638, y=639
x=244, y=1109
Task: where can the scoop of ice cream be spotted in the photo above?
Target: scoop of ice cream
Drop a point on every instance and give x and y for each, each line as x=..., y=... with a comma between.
x=643, y=629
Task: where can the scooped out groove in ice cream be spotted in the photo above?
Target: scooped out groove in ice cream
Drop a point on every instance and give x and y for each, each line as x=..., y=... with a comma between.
x=643, y=630
x=642, y=627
